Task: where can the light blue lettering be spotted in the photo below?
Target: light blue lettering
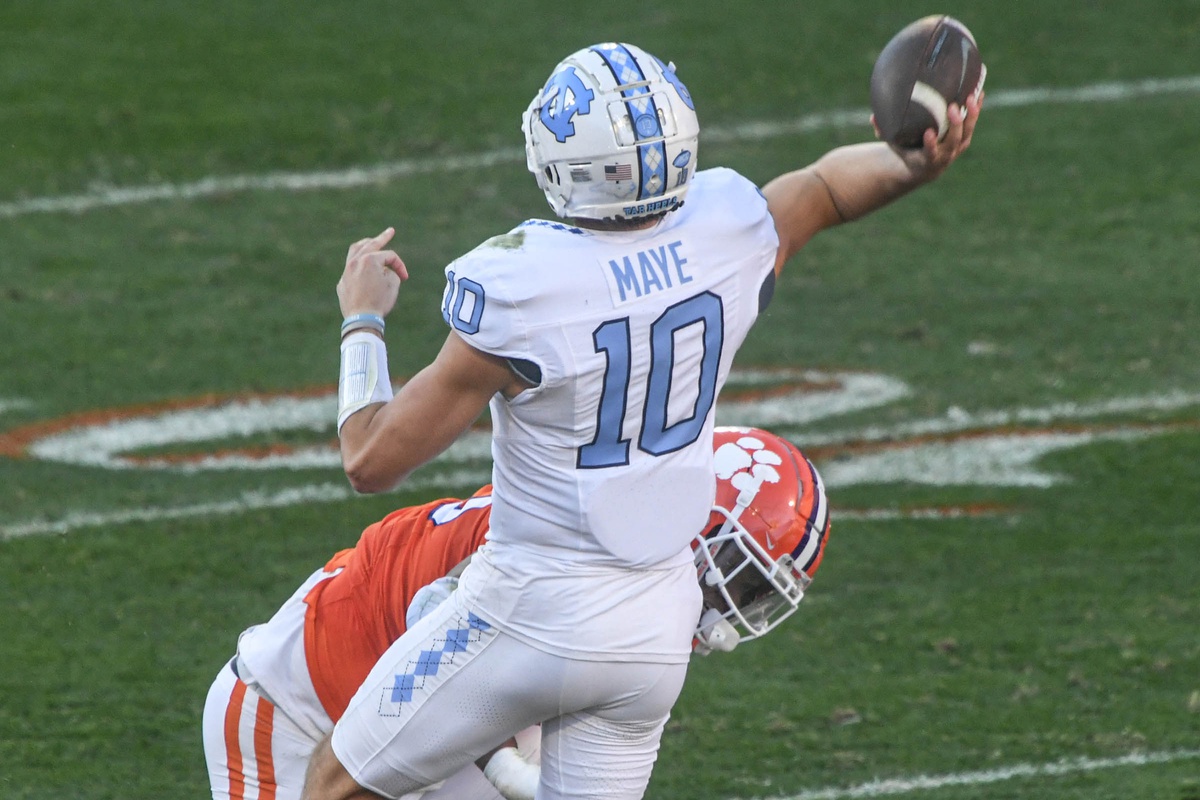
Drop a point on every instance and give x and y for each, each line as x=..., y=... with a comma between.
x=648, y=276
x=660, y=261
x=657, y=269
x=626, y=279
x=679, y=262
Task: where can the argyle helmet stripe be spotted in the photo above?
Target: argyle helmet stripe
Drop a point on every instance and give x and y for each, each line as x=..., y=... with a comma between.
x=643, y=119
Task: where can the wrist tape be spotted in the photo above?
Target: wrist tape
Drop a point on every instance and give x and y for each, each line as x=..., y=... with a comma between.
x=513, y=776
x=363, y=379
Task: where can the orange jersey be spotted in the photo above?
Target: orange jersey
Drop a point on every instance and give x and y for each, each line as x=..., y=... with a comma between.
x=353, y=617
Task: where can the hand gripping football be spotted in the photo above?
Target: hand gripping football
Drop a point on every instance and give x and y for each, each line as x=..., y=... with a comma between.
x=929, y=64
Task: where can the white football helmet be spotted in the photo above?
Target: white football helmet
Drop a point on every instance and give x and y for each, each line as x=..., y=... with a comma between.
x=613, y=133
x=765, y=539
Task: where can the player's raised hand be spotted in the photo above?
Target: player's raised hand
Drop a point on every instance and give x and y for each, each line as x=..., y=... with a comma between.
x=372, y=277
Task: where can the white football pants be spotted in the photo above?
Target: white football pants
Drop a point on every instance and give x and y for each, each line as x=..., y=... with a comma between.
x=453, y=687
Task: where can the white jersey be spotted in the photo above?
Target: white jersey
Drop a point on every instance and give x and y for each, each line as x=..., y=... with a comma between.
x=603, y=472
x=609, y=459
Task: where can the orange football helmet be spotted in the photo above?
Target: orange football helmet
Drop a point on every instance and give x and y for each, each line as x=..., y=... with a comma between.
x=765, y=540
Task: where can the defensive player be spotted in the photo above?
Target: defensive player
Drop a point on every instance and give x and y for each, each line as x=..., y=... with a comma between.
x=601, y=344
x=293, y=675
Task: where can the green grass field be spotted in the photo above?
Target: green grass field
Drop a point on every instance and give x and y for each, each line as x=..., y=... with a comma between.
x=1008, y=604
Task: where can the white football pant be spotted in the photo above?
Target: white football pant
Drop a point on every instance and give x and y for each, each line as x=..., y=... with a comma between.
x=454, y=687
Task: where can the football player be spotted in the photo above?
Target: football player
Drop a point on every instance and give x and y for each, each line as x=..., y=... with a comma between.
x=600, y=341
x=293, y=676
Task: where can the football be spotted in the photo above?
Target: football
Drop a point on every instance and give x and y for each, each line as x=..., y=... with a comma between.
x=929, y=64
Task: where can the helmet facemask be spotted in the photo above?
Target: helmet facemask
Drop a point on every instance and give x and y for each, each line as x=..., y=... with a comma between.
x=741, y=581
x=765, y=539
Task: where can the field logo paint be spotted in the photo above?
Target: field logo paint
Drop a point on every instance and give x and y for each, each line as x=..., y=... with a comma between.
x=994, y=448
x=158, y=439
x=991, y=448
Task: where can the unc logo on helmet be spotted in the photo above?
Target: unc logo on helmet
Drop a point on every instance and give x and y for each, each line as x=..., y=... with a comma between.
x=603, y=134
x=668, y=71
x=565, y=96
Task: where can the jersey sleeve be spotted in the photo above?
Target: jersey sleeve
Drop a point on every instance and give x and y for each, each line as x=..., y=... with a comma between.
x=744, y=209
x=478, y=302
x=736, y=211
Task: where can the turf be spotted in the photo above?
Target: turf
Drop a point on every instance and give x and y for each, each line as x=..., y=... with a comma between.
x=1054, y=265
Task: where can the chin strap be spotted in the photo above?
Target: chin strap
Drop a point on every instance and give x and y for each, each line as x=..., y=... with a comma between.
x=715, y=633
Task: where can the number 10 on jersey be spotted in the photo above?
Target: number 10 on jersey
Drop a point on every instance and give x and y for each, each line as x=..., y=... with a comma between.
x=621, y=346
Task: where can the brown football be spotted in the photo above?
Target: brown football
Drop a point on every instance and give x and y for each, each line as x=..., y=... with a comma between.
x=929, y=64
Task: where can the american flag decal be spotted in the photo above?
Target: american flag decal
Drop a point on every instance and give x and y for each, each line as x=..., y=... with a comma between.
x=618, y=172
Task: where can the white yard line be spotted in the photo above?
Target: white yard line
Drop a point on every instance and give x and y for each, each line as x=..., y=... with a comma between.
x=333, y=493
x=248, y=501
x=957, y=419
x=110, y=196
x=1067, y=766
x=12, y=404
x=933, y=513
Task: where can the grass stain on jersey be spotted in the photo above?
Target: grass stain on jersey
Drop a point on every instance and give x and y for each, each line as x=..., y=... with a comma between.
x=507, y=241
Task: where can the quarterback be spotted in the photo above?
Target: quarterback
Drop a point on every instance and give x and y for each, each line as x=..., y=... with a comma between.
x=293, y=676
x=600, y=341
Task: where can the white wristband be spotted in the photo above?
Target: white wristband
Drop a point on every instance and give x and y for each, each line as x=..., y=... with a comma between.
x=513, y=776
x=363, y=379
